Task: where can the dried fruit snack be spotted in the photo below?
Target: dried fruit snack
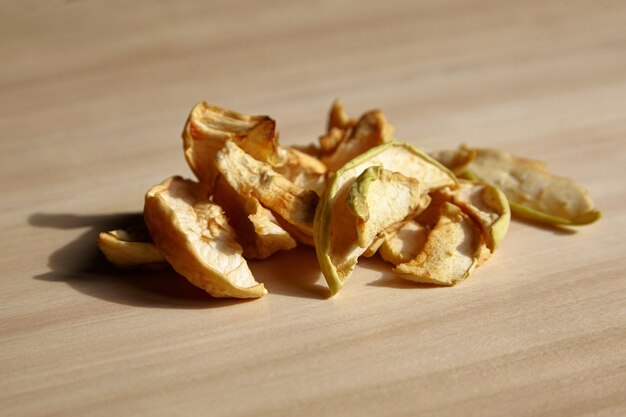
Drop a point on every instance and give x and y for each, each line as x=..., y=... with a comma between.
x=336, y=237
x=196, y=239
x=356, y=194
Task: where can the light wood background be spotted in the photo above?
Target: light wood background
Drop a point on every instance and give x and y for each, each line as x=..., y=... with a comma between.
x=93, y=96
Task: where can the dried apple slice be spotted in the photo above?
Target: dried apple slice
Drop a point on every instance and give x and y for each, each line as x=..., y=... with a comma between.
x=271, y=237
x=209, y=127
x=131, y=248
x=330, y=140
x=533, y=192
x=338, y=124
x=338, y=118
x=258, y=231
x=196, y=239
x=486, y=205
x=371, y=130
x=336, y=239
x=247, y=176
x=302, y=169
x=377, y=198
x=404, y=243
x=374, y=246
x=450, y=253
x=456, y=160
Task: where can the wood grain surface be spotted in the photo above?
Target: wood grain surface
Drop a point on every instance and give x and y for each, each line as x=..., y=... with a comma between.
x=93, y=97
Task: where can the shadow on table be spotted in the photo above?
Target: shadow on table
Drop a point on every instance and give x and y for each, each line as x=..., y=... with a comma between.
x=81, y=265
x=294, y=273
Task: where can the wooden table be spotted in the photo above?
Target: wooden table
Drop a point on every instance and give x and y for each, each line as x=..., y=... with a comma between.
x=93, y=96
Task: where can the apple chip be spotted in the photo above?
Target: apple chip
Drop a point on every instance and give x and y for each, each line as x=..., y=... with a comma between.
x=209, y=127
x=303, y=170
x=295, y=205
x=336, y=226
x=196, y=239
x=356, y=221
x=371, y=130
x=258, y=231
x=533, y=192
x=131, y=248
x=271, y=237
x=380, y=238
x=486, y=205
x=330, y=140
x=377, y=198
x=403, y=243
x=456, y=160
x=338, y=118
x=450, y=253
x=374, y=246
x=338, y=124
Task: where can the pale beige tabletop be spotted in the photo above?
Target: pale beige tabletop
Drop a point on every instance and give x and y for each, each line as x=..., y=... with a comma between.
x=93, y=96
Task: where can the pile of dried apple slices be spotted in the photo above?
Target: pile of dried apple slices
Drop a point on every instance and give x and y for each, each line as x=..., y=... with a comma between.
x=435, y=217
